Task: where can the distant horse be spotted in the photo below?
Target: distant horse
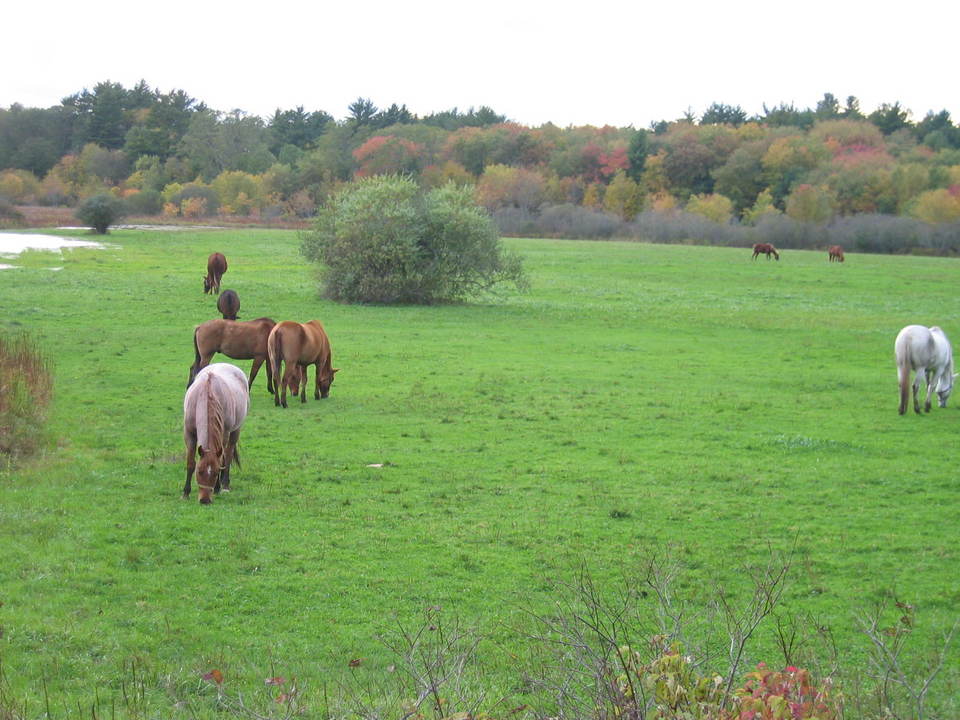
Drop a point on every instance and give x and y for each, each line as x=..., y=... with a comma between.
x=836, y=253
x=214, y=409
x=239, y=340
x=766, y=249
x=298, y=346
x=928, y=351
x=216, y=267
x=228, y=304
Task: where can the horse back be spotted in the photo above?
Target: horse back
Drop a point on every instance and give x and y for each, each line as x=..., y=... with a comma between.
x=216, y=264
x=241, y=340
x=318, y=344
x=227, y=385
x=915, y=347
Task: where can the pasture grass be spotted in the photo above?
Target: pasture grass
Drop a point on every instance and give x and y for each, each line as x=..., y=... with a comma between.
x=639, y=397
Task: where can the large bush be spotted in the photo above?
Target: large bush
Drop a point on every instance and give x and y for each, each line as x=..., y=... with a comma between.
x=100, y=212
x=25, y=388
x=384, y=240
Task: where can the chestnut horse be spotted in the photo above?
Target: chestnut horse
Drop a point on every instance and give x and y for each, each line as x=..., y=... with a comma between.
x=836, y=253
x=228, y=304
x=238, y=340
x=765, y=248
x=298, y=346
x=928, y=351
x=216, y=267
x=214, y=409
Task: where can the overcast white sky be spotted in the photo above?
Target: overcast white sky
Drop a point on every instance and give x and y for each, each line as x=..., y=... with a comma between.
x=570, y=63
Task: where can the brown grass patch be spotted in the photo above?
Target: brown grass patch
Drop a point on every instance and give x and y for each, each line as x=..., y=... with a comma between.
x=26, y=387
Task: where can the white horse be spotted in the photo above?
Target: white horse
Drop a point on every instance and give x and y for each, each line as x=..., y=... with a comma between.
x=927, y=351
x=214, y=408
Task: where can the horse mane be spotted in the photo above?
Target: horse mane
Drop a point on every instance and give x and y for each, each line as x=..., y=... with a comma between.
x=210, y=421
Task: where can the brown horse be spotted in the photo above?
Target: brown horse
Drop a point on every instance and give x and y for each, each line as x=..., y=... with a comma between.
x=836, y=253
x=214, y=409
x=766, y=249
x=239, y=340
x=216, y=267
x=228, y=304
x=298, y=346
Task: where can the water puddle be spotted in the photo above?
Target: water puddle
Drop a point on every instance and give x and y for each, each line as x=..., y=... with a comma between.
x=12, y=244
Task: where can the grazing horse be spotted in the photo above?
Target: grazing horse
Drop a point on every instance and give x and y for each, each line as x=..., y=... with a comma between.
x=214, y=409
x=298, y=346
x=765, y=248
x=228, y=304
x=928, y=351
x=836, y=253
x=216, y=267
x=238, y=340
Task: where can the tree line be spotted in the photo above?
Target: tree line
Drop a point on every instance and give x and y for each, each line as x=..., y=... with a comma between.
x=170, y=153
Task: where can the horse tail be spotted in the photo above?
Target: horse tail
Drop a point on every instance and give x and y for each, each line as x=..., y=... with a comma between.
x=274, y=355
x=195, y=368
x=902, y=351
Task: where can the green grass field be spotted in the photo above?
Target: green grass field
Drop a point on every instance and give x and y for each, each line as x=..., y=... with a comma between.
x=638, y=397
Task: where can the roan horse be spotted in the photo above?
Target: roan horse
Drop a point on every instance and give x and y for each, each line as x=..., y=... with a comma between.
x=216, y=267
x=238, y=340
x=228, y=304
x=836, y=253
x=766, y=249
x=928, y=351
x=214, y=409
x=298, y=346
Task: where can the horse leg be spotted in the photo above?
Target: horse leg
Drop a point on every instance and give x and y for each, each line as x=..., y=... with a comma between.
x=916, y=389
x=930, y=385
x=191, y=465
x=269, y=376
x=285, y=383
x=254, y=369
x=305, y=378
x=228, y=456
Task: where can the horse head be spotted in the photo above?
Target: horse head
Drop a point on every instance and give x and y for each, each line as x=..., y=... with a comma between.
x=208, y=475
x=326, y=380
x=944, y=388
x=207, y=283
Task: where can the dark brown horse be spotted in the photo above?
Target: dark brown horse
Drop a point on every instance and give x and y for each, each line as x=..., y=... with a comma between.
x=214, y=409
x=216, y=267
x=239, y=340
x=836, y=253
x=297, y=346
x=228, y=304
x=765, y=249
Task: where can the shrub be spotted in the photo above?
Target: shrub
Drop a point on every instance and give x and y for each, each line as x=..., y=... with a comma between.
x=383, y=240
x=25, y=390
x=790, y=695
x=193, y=199
x=573, y=221
x=100, y=212
x=145, y=202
